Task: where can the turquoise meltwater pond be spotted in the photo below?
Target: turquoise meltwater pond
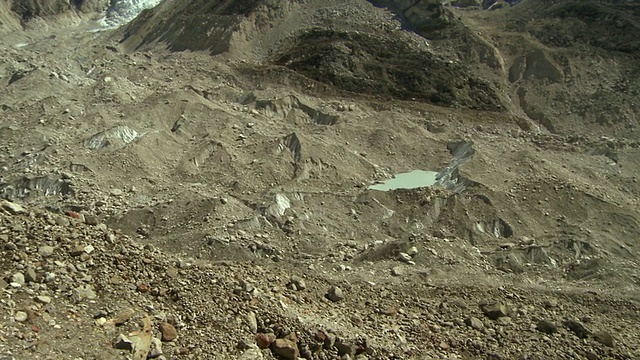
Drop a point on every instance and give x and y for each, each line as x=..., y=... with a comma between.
x=409, y=180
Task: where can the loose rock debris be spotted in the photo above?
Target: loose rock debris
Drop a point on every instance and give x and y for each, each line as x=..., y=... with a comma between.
x=214, y=203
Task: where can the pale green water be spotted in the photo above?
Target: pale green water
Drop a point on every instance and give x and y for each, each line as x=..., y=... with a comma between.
x=410, y=180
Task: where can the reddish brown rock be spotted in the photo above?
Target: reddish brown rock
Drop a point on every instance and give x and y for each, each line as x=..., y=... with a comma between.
x=168, y=331
x=265, y=340
x=286, y=349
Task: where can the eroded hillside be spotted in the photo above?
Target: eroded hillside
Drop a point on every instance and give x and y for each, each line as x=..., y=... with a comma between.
x=207, y=167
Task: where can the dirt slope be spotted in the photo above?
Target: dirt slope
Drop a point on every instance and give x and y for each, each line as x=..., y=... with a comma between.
x=207, y=166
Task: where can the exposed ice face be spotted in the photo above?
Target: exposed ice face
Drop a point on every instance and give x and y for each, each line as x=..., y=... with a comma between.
x=121, y=12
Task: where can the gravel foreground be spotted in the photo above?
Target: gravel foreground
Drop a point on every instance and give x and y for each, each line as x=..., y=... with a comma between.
x=76, y=289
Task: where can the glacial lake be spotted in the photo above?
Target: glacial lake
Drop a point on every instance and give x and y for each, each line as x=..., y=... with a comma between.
x=409, y=180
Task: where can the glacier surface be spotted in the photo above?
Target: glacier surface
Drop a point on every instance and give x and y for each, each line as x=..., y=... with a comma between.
x=121, y=12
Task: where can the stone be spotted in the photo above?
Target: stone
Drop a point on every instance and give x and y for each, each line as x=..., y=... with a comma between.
x=397, y=271
x=546, y=327
x=84, y=293
x=46, y=251
x=321, y=336
x=61, y=220
x=252, y=321
x=116, y=192
x=495, y=310
x=550, y=304
x=335, y=294
x=286, y=349
x=297, y=283
x=328, y=339
x=10, y=246
x=474, y=323
x=75, y=215
x=21, y=316
x=12, y=208
x=122, y=342
x=604, y=338
x=123, y=316
x=457, y=302
x=390, y=311
x=168, y=331
x=264, y=341
x=577, y=327
x=49, y=277
x=247, y=286
x=156, y=348
x=252, y=353
x=404, y=257
x=93, y=220
x=30, y=275
x=142, y=340
x=43, y=299
x=507, y=246
x=77, y=250
x=413, y=251
x=18, y=278
x=346, y=348
x=592, y=356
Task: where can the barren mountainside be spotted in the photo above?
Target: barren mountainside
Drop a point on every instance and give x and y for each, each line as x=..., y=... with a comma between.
x=319, y=179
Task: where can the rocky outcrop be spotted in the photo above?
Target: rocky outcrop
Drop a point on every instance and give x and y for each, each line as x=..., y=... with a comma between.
x=365, y=61
x=29, y=9
x=609, y=25
x=535, y=64
x=429, y=18
x=436, y=22
x=195, y=25
x=16, y=14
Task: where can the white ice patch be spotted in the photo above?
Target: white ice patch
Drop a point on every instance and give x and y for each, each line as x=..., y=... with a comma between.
x=280, y=204
x=121, y=12
x=119, y=133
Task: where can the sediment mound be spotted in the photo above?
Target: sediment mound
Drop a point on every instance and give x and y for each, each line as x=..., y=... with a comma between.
x=365, y=60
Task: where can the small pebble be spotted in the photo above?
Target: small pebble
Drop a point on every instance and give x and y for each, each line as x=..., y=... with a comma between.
x=335, y=294
x=21, y=316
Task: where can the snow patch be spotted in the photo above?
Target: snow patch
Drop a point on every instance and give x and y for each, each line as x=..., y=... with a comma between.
x=121, y=12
